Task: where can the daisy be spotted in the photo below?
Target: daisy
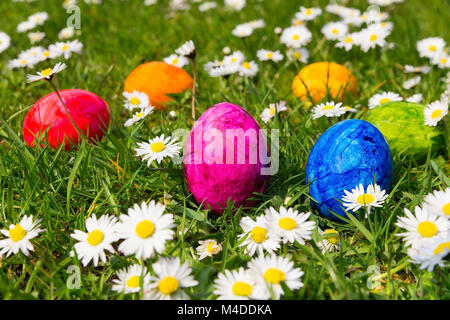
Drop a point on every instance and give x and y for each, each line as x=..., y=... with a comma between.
x=21, y=63
x=223, y=70
x=240, y=284
x=260, y=236
x=265, y=55
x=26, y=26
x=248, y=69
x=187, y=50
x=328, y=109
x=347, y=41
x=273, y=270
x=5, y=41
x=207, y=6
x=423, y=227
x=269, y=113
x=38, y=18
x=48, y=73
x=439, y=202
x=307, y=14
x=33, y=54
x=296, y=36
x=69, y=3
x=157, y=149
x=330, y=242
x=130, y=279
x=431, y=254
x=19, y=236
x=171, y=277
x=442, y=60
x=36, y=36
x=176, y=60
x=420, y=69
x=237, y=57
x=136, y=100
x=242, y=30
x=208, y=248
x=66, y=33
x=146, y=229
x=65, y=49
x=98, y=238
x=372, y=37
x=384, y=97
x=334, y=30
x=301, y=54
x=358, y=198
x=434, y=112
x=235, y=4
x=416, y=98
x=411, y=83
x=138, y=116
x=290, y=225
x=430, y=47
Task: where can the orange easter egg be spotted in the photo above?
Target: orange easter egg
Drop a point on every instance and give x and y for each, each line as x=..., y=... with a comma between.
x=314, y=80
x=158, y=79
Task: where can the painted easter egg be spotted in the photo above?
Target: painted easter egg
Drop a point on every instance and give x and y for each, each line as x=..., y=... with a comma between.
x=88, y=111
x=403, y=125
x=350, y=153
x=158, y=79
x=223, y=158
x=315, y=80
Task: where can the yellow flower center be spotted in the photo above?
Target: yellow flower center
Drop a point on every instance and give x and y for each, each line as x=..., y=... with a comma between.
x=140, y=114
x=46, y=53
x=348, y=40
x=145, y=229
x=334, y=239
x=65, y=47
x=95, y=237
x=427, y=229
x=440, y=248
x=446, y=209
x=157, y=147
x=327, y=107
x=298, y=22
x=287, y=223
x=233, y=59
x=175, y=61
x=308, y=11
x=133, y=282
x=212, y=247
x=242, y=289
x=432, y=48
x=23, y=61
x=246, y=65
x=297, y=55
x=365, y=199
x=17, y=233
x=270, y=55
x=373, y=37
x=274, y=276
x=335, y=31
x=272, y=111
x=168, y=285
x=46, y=72
x=135, y=101
x=436, y=114
x=443, y=60
x=258, y=234
x=295, y=37
x=385, y=100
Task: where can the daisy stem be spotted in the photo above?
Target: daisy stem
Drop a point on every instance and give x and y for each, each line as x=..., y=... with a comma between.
x=392, y=271
x=194, y=71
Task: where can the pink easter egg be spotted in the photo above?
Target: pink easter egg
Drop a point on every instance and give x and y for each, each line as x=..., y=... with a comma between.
x=224, y=154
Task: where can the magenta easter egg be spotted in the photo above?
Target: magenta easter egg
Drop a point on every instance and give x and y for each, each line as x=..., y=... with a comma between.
x=224, y=158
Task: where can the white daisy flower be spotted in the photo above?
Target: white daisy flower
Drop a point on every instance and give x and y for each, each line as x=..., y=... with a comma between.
x=5, y=41
x=235, y=4
x=248, y=69
x=240, y=284
x=420, y=69
x=171, y=277
x=439, y=202
x=19, y=236
x=187, y=49
x=301, y=54
x=257, y=24
x=136, y=100
x=21, y=63
x=207, y=6
x=290, y=225
x=384, y=97
x=130, y=279
x=435, y=112
x=265, y=55
x=442, y=60
x=36, y=36
x=98, y=238
x=48, y=73
x=65, y=49
x=138, y=116
x=347, y=41
x=69, y=3
x=334, y=30
x=26, y=26
x=242, y=30
x=359, y=198
x=274, y=108
x=328, y=109
x=38, y=18
x=296, y=36
x=176, y=60
x=157, y=149
x=208, y=248
x=416, y=98
x=237, y=57
x=431, y=254
x=430, y=47
x=261, y=237
x=273, y=270
x=66, y=33
x=372, y=37
x=226, y=50
x=330, y=241
x=411, y=83
x=146, y=229
x=307, y=14
x=33, y=54
x=222, y=70
x=423, y=227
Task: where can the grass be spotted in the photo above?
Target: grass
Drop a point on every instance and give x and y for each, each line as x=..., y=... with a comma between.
x=63, y=188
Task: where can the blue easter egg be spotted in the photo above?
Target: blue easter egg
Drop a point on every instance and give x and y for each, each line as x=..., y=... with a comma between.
x=350, y=153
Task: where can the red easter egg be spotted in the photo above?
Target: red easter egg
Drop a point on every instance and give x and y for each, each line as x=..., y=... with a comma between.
x=88, y=111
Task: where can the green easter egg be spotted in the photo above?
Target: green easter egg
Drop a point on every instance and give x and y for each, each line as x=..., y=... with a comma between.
x=403, y=125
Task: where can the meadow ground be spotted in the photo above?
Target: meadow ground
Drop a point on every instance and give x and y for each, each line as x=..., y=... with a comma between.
x=63, y=187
